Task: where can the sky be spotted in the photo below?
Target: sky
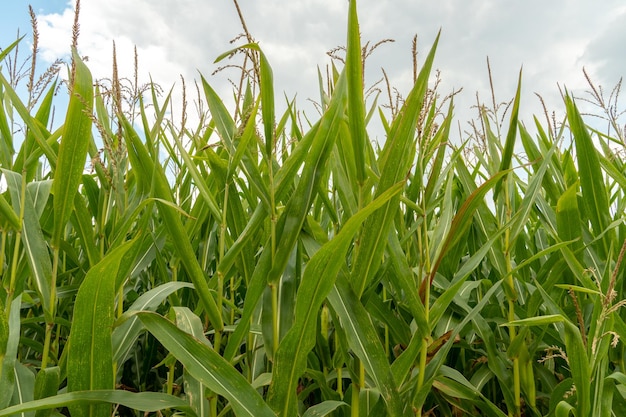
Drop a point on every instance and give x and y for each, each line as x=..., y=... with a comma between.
x=551, y=40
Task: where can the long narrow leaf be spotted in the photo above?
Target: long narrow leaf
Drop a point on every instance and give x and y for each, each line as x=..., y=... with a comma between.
x=460, y=224
x=145, y=401
x=35, y=246
x=271, y=266
x=364, y=341
x=509, y=145
x=140, y=158
x=125, y=335
x=318, y=279
x=9, y=354
x=594, y=194
x=204, y=364
x=397, y=154
x=90, y=351
x=356, y=104
x=73, y=148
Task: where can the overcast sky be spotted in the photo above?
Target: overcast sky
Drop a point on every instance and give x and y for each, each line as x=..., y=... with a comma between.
x=553, y=40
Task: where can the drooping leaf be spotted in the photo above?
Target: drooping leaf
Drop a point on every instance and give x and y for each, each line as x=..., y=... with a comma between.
x=144, y=401
x=125, y=335
x=207, y=366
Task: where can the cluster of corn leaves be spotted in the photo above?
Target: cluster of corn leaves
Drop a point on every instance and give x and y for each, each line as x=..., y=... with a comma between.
x=277, y=271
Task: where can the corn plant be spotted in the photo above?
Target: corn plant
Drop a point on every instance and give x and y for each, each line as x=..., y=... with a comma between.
x=262, y=264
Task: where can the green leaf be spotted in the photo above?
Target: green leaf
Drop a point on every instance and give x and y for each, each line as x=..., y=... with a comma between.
x=509, y=145
x=266, y=83
x=592, y=185
x=83, y=224
x=579, y=366
x=460, y=223
x=319, y=277
x=125, y=335
x=536, y=321
x=267, y=97
x=34, y=244
x=224, y=123
x=207, y=366
x=8, y=359
x=271, y=265
x=363, y=340
x=90, y=357
x=73, y=147
x=6, y=51
x=578, y=289
x=356, y=104
x=564, y=409
x=24, y=386
x=36, y=129
x=145, y=401
x=4, y=335
x=46, y=385
x=297, y=208
x=442, y=354
x=9, y=218
x=29, y=156
x=140, y=159
x=568, y=216
x=530, y=196
x=323, y=409
x=248, y=134
x=396, y=159
x=194, y=390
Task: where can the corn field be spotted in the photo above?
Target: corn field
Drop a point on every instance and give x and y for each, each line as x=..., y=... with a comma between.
x=267, y=264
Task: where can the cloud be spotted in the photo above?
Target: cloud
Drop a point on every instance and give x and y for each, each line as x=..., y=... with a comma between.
x=605, y=52
x=551, y=40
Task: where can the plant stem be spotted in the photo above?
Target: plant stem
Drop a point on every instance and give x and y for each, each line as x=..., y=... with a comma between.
x=220, y=276
x=275, y=324
x=14, y=263
x=339, y=370
x=53, y=295
x=3, y=243
x=511, y=295
x=423, y=246
x=356, y=389
x=16, y=250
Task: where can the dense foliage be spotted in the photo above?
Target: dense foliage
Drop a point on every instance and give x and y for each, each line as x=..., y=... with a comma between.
x=258, y=266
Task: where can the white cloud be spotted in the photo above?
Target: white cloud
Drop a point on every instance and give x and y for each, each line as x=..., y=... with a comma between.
x=552, y=40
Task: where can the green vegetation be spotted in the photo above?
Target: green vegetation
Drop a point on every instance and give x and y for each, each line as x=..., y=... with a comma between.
x=253, y=266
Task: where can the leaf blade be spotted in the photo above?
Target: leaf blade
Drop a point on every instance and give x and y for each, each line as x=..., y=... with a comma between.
x=73, y=147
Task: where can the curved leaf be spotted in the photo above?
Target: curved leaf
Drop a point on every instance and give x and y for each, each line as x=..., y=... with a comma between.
x=207, y=366
x=125, y=335
x=145, y=401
